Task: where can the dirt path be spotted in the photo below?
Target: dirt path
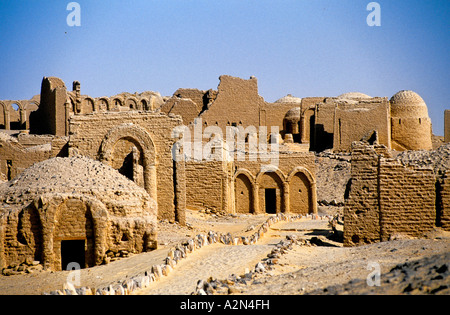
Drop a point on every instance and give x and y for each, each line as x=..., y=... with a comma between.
x=220, y=261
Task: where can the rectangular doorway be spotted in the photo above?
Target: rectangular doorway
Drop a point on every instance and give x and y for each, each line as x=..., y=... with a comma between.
x=271, y=200
x=73, y=251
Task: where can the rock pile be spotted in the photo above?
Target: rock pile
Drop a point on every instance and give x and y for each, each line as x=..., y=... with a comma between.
x=72, y=175
x=23, y=268
x=438, y=160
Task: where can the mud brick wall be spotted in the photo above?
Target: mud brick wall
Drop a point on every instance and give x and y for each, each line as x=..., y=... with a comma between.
x=353, y=123
x=272, y=114
x=207, y=185
x=324, y=126
x=237, y=103
x=387, y=198
x=89, y=131
x=16, y=156
x=361, y=212
x=407, y=200
x=184, y=107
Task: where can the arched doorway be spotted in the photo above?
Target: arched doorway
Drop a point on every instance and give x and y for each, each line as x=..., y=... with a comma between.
x=75, y=231
x=73, y=239
x=130, y=142
x=300, y=194
x=270, y=192
x=127, y=159
x=302, y=191
x=243, y=194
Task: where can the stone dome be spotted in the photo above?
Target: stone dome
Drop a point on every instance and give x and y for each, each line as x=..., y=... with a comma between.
x=293, y=115
x=353, y=95
x=408, y=104
x=73, y=175
x=289, y=99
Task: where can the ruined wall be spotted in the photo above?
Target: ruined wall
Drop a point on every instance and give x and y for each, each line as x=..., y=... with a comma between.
x=184, y=107
x=272, y=114
x=407, y=200
x=387, y=198
x=15, y=115
x=201, y=98
x=96, y=135
x=324, y=125
x=237, y=103
x=339, y=121
x=18, y=153
x=447, y=125
x=145, y=101
x=51, y=117
x=355, y=120
x=308, y=118
x=361, y=211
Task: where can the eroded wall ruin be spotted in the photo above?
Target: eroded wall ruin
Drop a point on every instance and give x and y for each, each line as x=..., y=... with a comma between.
x=387, y=198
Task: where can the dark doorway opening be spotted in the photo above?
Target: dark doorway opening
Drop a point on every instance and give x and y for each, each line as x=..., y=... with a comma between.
x=9, y=169
x=72, y=251
x=271, y=200
x=127, y=166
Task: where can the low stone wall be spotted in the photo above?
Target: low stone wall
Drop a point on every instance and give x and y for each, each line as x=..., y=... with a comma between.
x=178, y=252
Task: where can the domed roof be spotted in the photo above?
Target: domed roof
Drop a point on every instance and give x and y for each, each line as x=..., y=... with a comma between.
x=353, y=95
x=406, y=97
x=408, y=104
x=293, y=114
x=73, y=175
x=289, y=99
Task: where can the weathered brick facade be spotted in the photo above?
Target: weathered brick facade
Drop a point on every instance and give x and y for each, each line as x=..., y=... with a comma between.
x=387, y=198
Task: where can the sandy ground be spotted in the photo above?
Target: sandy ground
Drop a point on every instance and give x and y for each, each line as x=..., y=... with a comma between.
x=305, y=269
x=342, y=270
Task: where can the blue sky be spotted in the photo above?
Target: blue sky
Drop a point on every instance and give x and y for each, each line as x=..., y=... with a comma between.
x=301, y=47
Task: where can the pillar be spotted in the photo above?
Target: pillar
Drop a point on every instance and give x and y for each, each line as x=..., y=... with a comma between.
x=256, y=198
x=314, y=197
x=286, y=197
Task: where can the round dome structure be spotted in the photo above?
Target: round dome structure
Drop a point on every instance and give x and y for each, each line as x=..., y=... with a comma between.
x=407, y=103
x=291, y=121
x=289, y=99
x=65, y=210
x=410, y=125
x=73, y=175
x=354, y=95
x=293, y=115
